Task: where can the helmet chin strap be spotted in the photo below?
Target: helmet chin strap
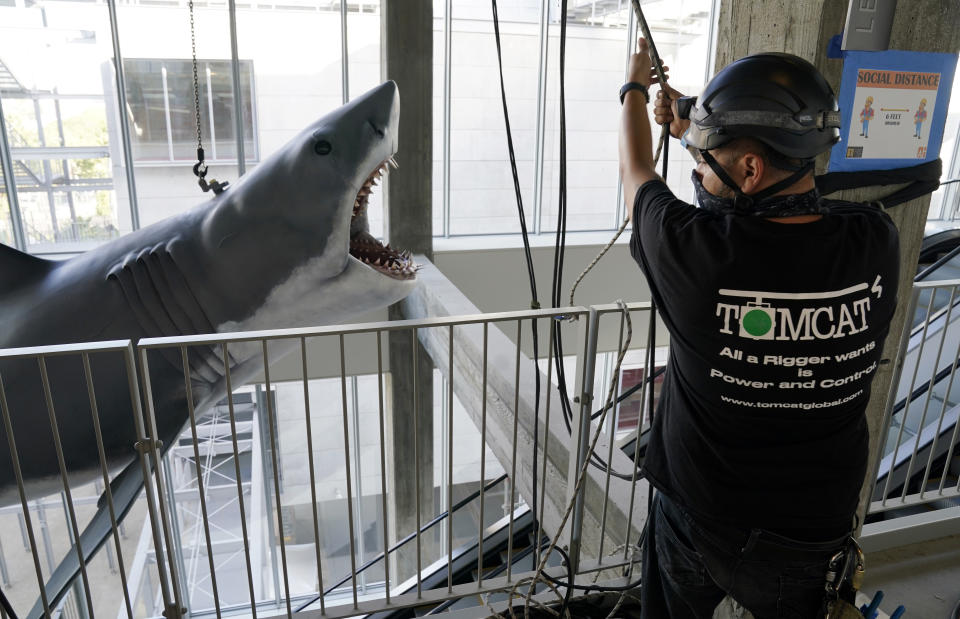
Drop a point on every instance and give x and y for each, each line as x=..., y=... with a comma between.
x=743, y=202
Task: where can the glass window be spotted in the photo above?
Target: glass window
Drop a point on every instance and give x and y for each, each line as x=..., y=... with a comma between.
x=945, y=202
x=54, y=62
x=595, y=55
x=290, y=75
x=598, y=45
x=482, y=199
x=162, y=111
x=482, y=196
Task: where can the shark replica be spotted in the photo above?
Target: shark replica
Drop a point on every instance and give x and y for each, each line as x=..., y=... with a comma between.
x=287, y=245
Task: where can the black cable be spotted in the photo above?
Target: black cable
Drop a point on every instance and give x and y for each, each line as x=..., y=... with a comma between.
x=513, y=164
x=599, y=462
x=6, y=606
x=629, y=392
x=560, y=246
x=652, y=328
x=426, y=527
x=666, y=156
x=571, y=586
x=534, y=303
x=561, y=234
x=565, y=407
x=568, y=415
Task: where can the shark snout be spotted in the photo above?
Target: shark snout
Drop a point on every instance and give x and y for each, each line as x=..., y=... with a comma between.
x=381, y=107
x=377, y=129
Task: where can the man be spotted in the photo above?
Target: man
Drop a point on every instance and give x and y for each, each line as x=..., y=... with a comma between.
x=866, y=115
x=919, y=117
x=777, y=302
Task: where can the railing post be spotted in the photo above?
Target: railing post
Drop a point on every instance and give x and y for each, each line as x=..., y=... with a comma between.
x=586, y=370
x=149, y=449
x=896, y=372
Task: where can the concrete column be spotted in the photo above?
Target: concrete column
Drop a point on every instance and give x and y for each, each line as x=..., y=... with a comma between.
x=407, y=58
x=804, y=28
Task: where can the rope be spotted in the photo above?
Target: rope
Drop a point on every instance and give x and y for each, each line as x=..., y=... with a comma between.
x=662, y=145
x=582, y=473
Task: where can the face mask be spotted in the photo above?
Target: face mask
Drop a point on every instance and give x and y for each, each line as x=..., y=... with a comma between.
x=710, y=202
x=808, y=203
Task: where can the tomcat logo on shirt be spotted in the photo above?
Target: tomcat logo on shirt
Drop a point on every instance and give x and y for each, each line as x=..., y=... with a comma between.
x=824, y=316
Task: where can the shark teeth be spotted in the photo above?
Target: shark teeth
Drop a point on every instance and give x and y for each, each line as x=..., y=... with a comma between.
x=389, y=262
x=360, y=203
x=384, y=259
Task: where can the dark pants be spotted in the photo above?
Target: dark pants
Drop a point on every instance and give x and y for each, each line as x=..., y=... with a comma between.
x=688, y=568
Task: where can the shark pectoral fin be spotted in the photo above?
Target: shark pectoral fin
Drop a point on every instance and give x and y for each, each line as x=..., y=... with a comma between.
x=125, y=488
x=18, y=269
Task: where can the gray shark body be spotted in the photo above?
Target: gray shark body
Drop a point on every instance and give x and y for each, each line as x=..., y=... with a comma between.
x=277, y=249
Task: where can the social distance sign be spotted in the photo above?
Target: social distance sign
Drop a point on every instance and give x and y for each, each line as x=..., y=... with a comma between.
x=897, y=79
x=893, y=108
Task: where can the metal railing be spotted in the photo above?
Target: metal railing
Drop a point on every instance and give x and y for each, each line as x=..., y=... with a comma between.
x=241, y=530
x=921, y=422
x=51, y=361
x=193, y=521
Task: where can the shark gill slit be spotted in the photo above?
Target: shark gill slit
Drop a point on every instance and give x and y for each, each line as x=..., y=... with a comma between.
x=156, y=306
x=177, y=313
x=123, y=277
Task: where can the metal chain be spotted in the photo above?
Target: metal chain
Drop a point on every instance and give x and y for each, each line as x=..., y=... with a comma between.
x=196, y=80
x=200, y=167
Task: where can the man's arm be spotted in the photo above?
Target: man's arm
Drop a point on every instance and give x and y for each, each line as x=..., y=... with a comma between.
x=635, y=143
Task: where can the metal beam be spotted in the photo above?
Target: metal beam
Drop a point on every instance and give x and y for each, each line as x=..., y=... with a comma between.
x=237, y=94
x=344, y=54
x=541, y=116
x=10, y=182
x=631, y=37
x=60, y=152
x=447, y=82
x=122, y=111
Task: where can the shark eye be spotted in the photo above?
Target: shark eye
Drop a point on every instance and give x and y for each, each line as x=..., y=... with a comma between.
x=322, y=147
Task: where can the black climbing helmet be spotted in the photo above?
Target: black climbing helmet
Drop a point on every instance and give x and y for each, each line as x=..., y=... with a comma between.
x=777, y=98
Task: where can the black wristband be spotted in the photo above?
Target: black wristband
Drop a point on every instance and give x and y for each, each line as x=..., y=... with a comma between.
x=633, y=86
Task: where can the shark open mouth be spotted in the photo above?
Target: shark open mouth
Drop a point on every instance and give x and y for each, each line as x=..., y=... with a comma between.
x=367, y=249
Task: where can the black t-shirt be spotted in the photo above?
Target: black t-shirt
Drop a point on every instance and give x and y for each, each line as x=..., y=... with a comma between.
x=776, y=331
